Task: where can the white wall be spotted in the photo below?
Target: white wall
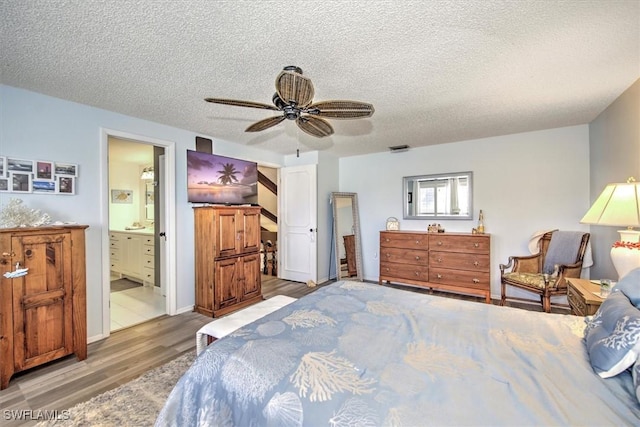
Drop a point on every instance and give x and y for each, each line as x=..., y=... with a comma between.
x=615, y=155
x=523, y=183
x=35, y=126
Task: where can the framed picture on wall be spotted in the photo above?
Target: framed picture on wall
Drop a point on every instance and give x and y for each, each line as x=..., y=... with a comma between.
x=65, y=185
x=121, y=196
x=44, y=170
x=44, y=186
x=20, y=182
x=66, y=169
x=19, y=165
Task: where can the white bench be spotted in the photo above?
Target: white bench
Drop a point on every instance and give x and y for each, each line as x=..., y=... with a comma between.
x=225, y=325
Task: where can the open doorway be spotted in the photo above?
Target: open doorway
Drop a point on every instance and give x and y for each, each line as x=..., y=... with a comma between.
x=268, y=200
x=135, y=291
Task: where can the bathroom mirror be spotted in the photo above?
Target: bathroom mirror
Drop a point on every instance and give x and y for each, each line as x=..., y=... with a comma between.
x=440, y=196
x=346, y=236
x=149, y=198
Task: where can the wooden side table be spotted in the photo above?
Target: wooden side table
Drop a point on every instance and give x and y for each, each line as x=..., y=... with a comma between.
x=584, y=296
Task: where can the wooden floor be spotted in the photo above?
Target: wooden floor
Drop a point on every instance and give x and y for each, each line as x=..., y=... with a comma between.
x=123, y=356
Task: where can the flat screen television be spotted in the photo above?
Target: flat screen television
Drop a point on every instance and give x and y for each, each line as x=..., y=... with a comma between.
x=223, y=180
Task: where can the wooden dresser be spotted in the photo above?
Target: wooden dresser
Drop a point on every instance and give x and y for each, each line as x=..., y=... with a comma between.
x=227, y=255
x=458, y=262
x=43, y=314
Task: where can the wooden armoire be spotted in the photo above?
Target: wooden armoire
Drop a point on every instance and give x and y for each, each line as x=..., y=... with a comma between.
x=43, y=314
x=227, y=258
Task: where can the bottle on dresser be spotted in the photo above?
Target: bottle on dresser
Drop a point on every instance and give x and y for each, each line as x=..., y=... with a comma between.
x=480, y=228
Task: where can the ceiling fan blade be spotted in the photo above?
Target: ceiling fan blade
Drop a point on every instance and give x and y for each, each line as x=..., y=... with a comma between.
x=294, y=88
x=264, y=124
x=237, y=103
x=341, y=109
x=314, y=126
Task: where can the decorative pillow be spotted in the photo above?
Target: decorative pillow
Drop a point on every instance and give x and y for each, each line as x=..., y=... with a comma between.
x=630, y=286
x=613, y=336
x=635, y=374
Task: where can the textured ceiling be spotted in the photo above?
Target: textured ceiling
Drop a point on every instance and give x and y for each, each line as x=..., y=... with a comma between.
x=435, y=72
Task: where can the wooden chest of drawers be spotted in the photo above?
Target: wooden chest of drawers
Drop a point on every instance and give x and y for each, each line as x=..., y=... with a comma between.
x=458, y=262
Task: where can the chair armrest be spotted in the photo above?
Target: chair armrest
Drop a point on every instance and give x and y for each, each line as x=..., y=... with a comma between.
x=568, y=271
x=523, y=264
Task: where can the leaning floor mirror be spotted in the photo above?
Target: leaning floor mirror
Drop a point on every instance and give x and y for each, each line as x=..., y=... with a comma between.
x=346, y=236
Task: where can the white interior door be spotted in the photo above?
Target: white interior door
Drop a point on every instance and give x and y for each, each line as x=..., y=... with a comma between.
x=297, y=224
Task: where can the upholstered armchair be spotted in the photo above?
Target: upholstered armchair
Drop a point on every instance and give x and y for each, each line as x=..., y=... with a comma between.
x=559, y=257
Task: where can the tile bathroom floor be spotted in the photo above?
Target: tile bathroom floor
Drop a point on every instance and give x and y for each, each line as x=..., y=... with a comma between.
x=136, y=305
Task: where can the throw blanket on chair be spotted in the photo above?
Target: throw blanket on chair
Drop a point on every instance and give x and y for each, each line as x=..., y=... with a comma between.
x=563, y=249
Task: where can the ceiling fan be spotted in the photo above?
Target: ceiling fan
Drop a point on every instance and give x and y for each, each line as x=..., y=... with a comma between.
x=293, y=97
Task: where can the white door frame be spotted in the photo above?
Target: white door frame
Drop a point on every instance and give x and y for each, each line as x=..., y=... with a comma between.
x=169, y=269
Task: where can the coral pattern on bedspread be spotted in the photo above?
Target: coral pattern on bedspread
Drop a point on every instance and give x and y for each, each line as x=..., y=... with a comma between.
x=353, y=353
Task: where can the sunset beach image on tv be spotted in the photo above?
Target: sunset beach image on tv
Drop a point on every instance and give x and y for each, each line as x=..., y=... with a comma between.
x=218, y=179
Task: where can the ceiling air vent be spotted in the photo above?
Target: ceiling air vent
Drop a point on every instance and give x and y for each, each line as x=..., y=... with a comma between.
x=398, y=148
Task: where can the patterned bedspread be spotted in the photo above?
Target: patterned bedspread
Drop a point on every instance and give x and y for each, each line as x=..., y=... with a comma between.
x=353, y=353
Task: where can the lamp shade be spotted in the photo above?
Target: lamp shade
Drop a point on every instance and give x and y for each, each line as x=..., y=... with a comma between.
x=618, y=204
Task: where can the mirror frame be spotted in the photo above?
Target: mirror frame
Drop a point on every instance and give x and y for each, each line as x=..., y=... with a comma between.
x=406, y=194
x=356, y=231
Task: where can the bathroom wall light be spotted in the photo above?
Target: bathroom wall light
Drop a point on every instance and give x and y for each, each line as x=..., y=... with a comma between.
x=147, y=173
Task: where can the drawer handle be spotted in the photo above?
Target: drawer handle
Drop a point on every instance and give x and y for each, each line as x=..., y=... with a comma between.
x=439, y=260
x=387, y=269
x=388, y=255
x=439, y=276
x=476, y=280
x=476, y=263
x=417, y=258
x=417, y=273
x=476, y=245
x=417, y=242
x=387, y=239
x=439, y=243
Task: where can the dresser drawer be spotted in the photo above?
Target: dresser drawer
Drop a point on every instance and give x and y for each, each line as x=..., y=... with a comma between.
x=578, y=306
x=459, y=261
x=468, y=244
x=404, y=256
x=148, y=275
x=404, y=240
x=148, y=261
x=404, y=271
x=460, y=278
x=148, y=250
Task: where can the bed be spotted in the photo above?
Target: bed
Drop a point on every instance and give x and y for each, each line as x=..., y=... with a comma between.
x=354, y=353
